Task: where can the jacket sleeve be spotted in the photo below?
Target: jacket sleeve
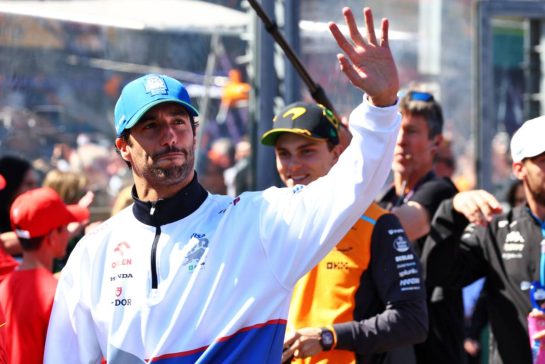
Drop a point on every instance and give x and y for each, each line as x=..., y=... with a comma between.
x=397, y=281
x=479, y=317
x=453, y=253
x=299, y=226
x=71, y=333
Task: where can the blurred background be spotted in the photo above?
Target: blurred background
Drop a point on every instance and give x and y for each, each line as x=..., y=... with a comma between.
x=64, y=63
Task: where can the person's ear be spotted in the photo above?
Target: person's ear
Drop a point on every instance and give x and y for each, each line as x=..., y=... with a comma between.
x=436, y=143
x=121, y=145
x=337, y=150
x=49, y=239
x=518, y=170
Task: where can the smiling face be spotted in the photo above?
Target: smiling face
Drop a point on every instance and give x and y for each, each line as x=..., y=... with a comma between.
x=160, y=149
x=301, y=160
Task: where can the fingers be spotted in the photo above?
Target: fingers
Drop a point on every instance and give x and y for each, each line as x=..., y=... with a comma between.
x=369, y=66
x=491, y=202
x=346, y=47
x=287, y=355
x=385, y=25
x=477, y=206
x=291, y=349
x=304, y=343
x=346, y=67
x=353, y=27
x=290, y=345
x=290, y=339
x=369, y=26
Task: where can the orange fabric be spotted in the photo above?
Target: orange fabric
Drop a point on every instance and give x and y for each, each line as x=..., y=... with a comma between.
x=326, y=295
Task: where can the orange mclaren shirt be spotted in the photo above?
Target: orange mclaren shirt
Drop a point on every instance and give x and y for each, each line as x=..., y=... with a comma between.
x=342, y=288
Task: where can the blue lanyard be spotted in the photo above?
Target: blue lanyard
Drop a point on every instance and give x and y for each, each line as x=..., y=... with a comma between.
x=542, y=259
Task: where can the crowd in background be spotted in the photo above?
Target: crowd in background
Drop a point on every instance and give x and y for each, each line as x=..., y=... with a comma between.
x=92, y=175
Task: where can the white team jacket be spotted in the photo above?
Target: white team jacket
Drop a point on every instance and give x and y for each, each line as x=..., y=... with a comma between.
x=215, y=285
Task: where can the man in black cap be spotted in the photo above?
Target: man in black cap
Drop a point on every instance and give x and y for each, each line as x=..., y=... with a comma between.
x=366, y=297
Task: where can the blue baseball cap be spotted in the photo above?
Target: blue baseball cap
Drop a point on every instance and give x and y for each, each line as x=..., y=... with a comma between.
x=140, y=95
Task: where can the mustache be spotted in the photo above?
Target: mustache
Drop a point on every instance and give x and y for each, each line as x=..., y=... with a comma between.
x=171, y=149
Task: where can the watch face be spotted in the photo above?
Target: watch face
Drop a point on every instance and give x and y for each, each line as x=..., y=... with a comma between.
x=327, y=339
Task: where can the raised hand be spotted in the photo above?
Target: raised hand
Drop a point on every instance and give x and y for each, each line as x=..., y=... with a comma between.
x=368, y=62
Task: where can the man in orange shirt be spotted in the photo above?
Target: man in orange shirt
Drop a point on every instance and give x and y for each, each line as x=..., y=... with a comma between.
x=365, y=301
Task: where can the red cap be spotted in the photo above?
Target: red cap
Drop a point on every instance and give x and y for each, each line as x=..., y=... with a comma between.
x=36, y=212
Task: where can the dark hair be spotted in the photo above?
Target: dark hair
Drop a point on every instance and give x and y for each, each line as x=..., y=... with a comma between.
x=31, y=244
x=423, y=104
x=13, y=169
x=35, y=243
x=125, y=136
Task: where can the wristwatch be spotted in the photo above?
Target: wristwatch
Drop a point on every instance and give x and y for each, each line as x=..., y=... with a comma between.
x=326, y=339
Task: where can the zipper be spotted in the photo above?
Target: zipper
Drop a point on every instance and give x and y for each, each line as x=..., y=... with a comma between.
x=154, y=278
x=154, y=258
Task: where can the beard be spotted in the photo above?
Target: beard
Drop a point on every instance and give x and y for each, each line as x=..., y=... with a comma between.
x=172, y=174
x=538, y=193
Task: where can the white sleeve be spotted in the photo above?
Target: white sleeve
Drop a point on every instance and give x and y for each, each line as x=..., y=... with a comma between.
x=71, y=333
x=299, y=226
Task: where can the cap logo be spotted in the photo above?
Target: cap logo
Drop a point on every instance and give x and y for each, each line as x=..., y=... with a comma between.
x=155, y=85
x=330, y=116
x=295, y=112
